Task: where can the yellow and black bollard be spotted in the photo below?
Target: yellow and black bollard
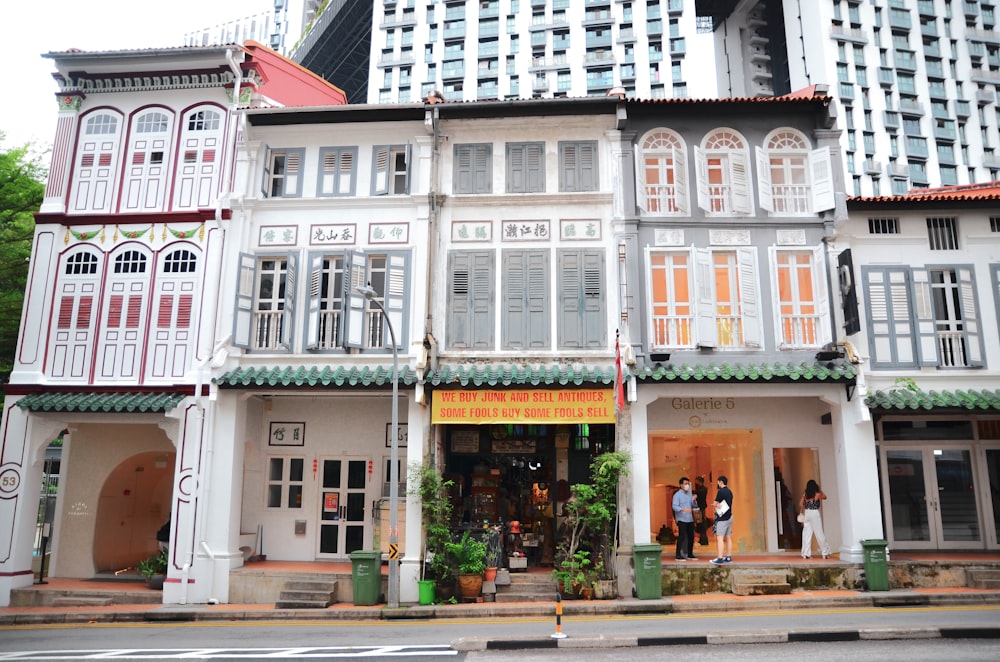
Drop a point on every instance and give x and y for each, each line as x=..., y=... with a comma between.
x=558, y=634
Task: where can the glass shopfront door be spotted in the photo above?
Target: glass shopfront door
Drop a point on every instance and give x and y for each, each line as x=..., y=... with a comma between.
x=930, y=496
x=344, y=526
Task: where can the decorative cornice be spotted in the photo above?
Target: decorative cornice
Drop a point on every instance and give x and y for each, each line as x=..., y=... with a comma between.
x=145, y=82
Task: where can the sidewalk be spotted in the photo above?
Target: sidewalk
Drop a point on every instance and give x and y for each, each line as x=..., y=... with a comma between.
x=705, y=603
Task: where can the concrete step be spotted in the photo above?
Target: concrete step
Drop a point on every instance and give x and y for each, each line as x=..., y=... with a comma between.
x=311, y=585
x=526, y=597
x=80, y=601
x=987, y=578
x=740, y=588
x=753, y=576
x=301, y=604
x=307, y=593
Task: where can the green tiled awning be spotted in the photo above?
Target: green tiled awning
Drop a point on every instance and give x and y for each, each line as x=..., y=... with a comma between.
x=737, y=372
x=340, y=376
x=984, y=400
x=138, y=403
x=506, y=374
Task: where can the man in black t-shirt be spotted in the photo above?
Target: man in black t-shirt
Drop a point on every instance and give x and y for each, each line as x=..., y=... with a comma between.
x=723, y=526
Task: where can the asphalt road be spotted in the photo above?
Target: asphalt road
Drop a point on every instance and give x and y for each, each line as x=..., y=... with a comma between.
x=290, y=640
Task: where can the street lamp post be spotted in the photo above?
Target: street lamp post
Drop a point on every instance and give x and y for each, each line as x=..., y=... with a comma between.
x=393, y=600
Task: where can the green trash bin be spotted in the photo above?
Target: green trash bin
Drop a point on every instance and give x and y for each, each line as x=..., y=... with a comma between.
x=366, y=577
x=876, y=564
x=648, y=571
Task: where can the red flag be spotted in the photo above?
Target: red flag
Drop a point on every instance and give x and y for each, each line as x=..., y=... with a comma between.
x=619, y=382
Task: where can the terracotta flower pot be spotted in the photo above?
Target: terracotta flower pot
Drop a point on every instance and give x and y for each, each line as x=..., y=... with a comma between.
x=490, y=575
x=470, y=586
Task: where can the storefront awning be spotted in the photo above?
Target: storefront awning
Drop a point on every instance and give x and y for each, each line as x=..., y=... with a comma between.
x=905, y=399
x=738, y=372
x=328, y=376
x=139, y=403
x=507, y=374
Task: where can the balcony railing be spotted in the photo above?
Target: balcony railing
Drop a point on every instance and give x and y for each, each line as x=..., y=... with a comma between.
x=720, y=198
x=661, y=199
x=268, y=330
x=791, y=198
x=672, y=330
x=374, y=338
x=329, y=330
x=730, y=328
x=800, y=331
x=951, y=348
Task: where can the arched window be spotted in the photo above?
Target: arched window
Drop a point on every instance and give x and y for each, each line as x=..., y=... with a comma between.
x=94, y=179
x=102, y=124
x=663, y=189
x=148, y=156
x=197, y=178
x=793, y=179
x=130, y=262
x=723, y=173
x=74, y=319
x=180, y=262
x=82, y=263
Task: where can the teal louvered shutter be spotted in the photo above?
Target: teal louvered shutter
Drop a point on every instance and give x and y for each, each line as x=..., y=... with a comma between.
x=534, y=161
x=353, y=317
x=525, y=300
x=463, y=169
x=970, y=317
x=890, y=324
x=246, y=283
x=265, y=182
x=315, y=295
x=925, y=324
x=288, y=314
x=397, y=296
x=380, y=170
x=582, y=308
x=470, y=305
x=482, y=169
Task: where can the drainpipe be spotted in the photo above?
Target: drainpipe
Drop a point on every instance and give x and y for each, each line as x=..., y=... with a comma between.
x=432, y=217
x=206, y=411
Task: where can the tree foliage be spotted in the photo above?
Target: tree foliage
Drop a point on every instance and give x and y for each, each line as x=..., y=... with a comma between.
x=21, y=192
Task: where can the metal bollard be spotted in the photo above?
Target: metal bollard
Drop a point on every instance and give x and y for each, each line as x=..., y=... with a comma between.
x=558, y=634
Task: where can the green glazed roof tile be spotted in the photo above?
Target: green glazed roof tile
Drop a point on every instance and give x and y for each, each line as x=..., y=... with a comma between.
x=340, y=376
x=508, y=374
x=101, y=402
x=927, y=400
x=737, y=372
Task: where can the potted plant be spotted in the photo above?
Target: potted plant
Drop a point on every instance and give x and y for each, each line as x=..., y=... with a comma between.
x=470, y=561
x=436, y=511
x=154, y=569
x=592, y=524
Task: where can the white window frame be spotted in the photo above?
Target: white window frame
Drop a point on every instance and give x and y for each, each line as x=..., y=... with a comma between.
x=669, y=154
x=672, y=324
x=714, y=330
x=797, y=328
x=724, y=150
x=285, y=483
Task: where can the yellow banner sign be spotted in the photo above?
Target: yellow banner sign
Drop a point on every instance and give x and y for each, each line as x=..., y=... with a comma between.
x=524, y=406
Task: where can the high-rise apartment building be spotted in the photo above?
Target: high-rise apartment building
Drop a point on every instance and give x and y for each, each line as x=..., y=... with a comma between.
x=275, y=23
x=508, y=49
x=916, y=79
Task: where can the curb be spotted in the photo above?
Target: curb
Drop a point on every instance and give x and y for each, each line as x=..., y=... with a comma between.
x=474, y=644
x=624, y=606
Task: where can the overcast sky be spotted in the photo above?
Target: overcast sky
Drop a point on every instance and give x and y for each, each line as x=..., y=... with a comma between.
x=32, y=27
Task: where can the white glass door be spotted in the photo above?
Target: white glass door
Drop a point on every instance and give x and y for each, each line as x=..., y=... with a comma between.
x=344, y=523
x=931, y=498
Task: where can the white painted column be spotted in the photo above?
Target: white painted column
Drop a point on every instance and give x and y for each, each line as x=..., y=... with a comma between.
x=857, y=477
x=416, y=450
x=23, y=452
